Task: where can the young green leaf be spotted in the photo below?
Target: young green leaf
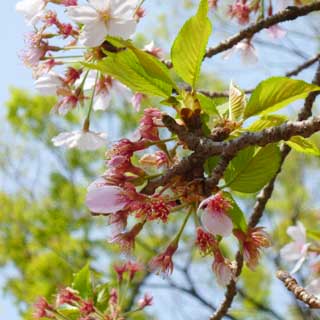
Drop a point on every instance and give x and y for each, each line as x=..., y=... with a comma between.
x=207, y=104
x=275, y=93
x=82, y=282
x=189, y=46
x=303, y=145
x=236, y=214
x=249, y=171
x=138, y=70
x=267, y=121
x=237, y=102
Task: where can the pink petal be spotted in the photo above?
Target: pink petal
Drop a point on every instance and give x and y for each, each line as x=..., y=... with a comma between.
x=105, y=199
x=217, y=224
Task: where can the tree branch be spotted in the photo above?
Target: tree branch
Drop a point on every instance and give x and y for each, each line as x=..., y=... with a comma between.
x=288, y=14
x=262, y=200
x=299, y=292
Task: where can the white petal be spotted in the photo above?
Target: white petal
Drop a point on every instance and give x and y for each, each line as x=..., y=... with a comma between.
x=48, y=83
x=83, y=14
x=291, y=251
x=90, y=141
x=122, y=90
x=297, y=233
x=298, y=265
x=101, y=5
x=124, y=9
x=31, y=9
x=90, y=80
x=123, y=28
x=93, y=34
x=101, y=101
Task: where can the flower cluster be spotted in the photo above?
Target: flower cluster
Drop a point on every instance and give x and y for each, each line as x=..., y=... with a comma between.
x=102, y=304
x=48, y=48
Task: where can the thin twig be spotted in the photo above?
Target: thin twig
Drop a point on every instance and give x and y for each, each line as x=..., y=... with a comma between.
x=299, y=292
x=288, y=14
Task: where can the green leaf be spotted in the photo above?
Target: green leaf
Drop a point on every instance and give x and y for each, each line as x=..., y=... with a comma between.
x=210, y=164
x=314, y=234
x=207, y=104
x=235, y=213
x=249, y=171
x=190, y=44
x=82, y=282
x=275, y=93
x=267, y=121
x=138, y=70
x=303, y=145
x=237, y=102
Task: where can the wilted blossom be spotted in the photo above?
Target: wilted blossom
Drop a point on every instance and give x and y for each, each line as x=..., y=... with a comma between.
x=223, y=268
x=145, y=301
x=126, y=240
x=214, y=215
x=157, y=159
x=149, y=124
x=67, y=296
x=87, y=307
x=205, y=241
x=101, y=18
x=241, y=11
x=252, y=242
x=162, y=263
x=83, y=140
x=42, y=309
x=298, y=249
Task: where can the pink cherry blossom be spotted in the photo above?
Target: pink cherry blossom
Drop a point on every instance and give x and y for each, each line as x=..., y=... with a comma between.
x=298, y=249
x=145, y=301
x=152, y=49
x=104, y=17
x=276, y=32
x=223, y=269
x=241, y=11
x=106, y=198
x=214, y=215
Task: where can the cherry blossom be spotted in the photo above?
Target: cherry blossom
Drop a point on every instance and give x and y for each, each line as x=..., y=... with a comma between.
x=163, y=263
x=247, y=51
x=31, y=9
x=223, y=269
x=49, y=83
x=104, y=17
x=214, y=215
x=105, y=198
x=298, y=249
x=83, y=140
x=252, y=241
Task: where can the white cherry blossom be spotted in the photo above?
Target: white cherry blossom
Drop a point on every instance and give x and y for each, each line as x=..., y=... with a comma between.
x=31, y=9
x=104, y=17
x=48, y=84
x=83, y=140
x=297, y=250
